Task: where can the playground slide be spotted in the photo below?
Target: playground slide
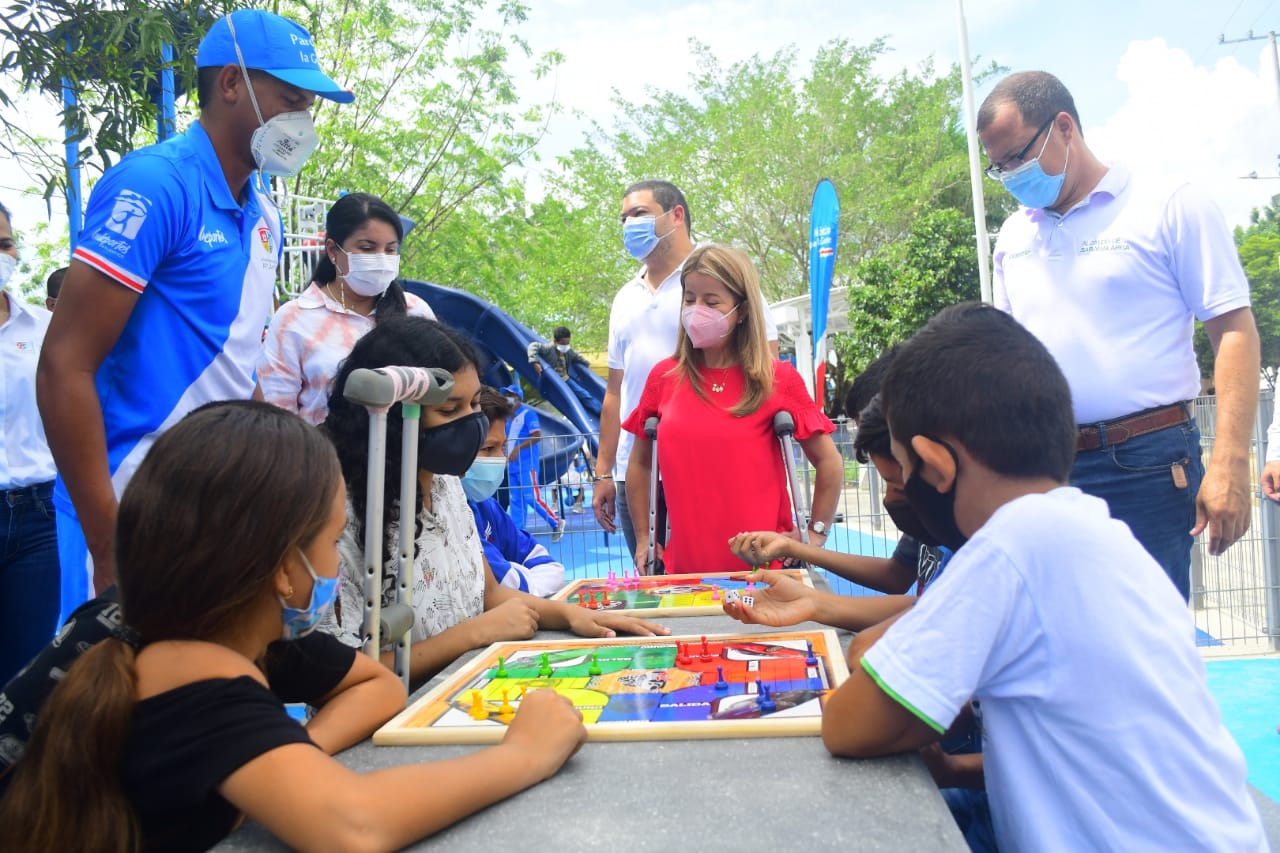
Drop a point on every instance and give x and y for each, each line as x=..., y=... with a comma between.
x=506, y=341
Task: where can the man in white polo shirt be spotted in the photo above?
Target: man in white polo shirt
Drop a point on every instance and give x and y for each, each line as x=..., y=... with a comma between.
x=1110, y=269
x=644, y=323
x=172, y=280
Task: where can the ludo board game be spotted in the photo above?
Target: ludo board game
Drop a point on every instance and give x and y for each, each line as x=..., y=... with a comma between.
x=638, y=688
x=665, y=595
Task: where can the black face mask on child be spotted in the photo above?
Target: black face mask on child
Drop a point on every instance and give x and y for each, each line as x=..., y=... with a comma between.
x=909, y=524
x=451, y=448
x=936, y=510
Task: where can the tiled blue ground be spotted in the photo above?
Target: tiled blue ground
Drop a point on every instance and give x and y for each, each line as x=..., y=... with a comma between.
x=1248, y=692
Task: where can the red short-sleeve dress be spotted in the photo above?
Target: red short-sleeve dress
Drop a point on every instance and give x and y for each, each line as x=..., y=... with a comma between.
x=721, y=474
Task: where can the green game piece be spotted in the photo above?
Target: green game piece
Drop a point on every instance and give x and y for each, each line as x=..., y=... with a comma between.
x=594, y=669
x=502, y=669
x=545, y=669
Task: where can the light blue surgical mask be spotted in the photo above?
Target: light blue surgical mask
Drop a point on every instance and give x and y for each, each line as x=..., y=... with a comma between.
x=639, y=236
x=299, y=622
x=1029, y=184
x=483, y=478
x=8, y=265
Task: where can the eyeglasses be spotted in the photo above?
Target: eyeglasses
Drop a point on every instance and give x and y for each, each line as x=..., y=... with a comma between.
x=995, y=170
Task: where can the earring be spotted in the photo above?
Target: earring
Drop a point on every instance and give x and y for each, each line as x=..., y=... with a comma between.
x=289, y=594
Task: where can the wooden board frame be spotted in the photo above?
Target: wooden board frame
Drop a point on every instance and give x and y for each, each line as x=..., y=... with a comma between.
x=696, y=600
x=683, y=682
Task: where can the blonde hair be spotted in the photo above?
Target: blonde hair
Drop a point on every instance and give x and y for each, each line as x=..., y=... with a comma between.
x=733, y=268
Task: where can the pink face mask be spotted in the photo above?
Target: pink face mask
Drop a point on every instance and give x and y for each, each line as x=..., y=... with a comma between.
x=705, y=326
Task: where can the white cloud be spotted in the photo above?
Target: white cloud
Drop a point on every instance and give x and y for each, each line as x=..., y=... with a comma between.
x=1206, y=125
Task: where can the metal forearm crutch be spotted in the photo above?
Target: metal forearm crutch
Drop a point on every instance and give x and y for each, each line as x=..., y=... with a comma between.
x=784, y=427
x=378, y=390
x=651, y=432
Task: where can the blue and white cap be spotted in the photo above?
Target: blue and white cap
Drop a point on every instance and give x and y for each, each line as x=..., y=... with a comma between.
x=272, y=44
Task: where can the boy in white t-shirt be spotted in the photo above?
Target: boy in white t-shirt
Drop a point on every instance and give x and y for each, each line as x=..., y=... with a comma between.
x=1099, y=730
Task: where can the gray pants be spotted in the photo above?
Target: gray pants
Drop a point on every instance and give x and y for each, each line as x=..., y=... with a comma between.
x=628, y=526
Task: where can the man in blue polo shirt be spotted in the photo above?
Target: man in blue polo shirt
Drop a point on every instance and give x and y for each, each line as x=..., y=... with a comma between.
x=171, y=283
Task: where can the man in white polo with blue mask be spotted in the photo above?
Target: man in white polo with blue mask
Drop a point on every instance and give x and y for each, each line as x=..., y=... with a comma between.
x=171, y=282
x=1109, y=269
x=644, y=323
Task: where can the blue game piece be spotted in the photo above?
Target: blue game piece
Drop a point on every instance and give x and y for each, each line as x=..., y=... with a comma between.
x=721, y=684
x=766, y=703
x=811, y=660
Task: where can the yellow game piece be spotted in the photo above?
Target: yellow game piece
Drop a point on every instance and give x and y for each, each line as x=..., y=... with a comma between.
x=478, y=711
x=506, y=708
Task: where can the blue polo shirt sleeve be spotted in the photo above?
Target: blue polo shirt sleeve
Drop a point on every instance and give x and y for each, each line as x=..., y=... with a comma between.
x=137, y=213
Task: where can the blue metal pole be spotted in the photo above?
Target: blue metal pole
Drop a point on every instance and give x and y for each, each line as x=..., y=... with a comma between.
x=72, y=155
x=168, y=114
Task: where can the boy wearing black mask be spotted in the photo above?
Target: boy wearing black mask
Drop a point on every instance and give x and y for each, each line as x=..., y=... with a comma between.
x=918, y=557
x=1059, y=621
x=915, y=562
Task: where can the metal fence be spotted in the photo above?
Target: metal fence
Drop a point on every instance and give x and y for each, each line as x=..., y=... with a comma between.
x=1235, y=597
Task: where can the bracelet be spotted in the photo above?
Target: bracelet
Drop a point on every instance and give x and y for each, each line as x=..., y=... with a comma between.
x=597, y=478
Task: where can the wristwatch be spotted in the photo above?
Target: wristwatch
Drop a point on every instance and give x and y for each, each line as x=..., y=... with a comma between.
x=818, y=527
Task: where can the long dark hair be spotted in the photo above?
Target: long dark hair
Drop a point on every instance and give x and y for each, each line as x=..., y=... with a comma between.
x=233, y=472
x=347, y=214
x=407, y=341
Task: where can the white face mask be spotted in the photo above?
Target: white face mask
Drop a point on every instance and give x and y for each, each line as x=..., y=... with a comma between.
x=8, y=266
x=281, y=146
x=562, y=347
x=372, y=274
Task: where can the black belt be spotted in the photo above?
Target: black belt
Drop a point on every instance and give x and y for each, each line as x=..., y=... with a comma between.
x=26, y=494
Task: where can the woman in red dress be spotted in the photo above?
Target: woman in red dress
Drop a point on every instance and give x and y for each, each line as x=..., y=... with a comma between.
x=722, y=470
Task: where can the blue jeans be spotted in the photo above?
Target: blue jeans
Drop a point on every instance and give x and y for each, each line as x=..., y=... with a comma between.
x=1136, y=479
x=29, y=576
x=972, y=814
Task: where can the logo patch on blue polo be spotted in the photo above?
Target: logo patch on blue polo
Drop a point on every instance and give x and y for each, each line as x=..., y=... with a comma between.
x=128, y=213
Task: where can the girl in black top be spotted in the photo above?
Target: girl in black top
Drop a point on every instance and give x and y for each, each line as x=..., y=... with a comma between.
x=162, y=735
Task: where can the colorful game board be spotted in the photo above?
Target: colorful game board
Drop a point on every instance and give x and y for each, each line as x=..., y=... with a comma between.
x=666, y=595
x=638, y=688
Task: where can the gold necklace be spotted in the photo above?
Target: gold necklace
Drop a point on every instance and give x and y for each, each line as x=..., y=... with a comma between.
x=717, y=387
x=342, y=297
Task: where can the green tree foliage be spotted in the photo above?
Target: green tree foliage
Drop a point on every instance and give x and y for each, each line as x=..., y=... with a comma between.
x=1259, y=247
x=42, y=250
x=435, y=126
x=906, y=283
x=111, y=54
x=750, y=142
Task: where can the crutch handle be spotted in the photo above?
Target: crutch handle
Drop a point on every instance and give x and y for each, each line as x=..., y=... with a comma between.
x=383, y=387
x=651, y=427
x=783, y=424
x=396, y=620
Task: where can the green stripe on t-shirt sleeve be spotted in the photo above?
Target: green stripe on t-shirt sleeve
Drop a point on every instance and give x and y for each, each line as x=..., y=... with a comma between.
x=875, y=676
